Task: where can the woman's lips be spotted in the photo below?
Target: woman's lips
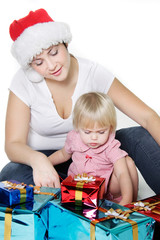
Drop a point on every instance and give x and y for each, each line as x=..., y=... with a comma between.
x=57, y=73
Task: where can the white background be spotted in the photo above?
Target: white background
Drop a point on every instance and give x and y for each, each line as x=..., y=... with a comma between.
x=123, y=35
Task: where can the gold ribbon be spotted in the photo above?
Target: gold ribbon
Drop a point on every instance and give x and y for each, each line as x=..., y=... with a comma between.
x=123, y=215
x=146, y=206
x=37, y=190
x=7, y=225
x=22, y=195
x=78, y=193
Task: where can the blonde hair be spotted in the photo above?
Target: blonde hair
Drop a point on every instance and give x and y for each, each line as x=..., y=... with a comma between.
x=94, y=107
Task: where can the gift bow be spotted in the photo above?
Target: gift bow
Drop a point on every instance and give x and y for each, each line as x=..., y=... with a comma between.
x=11, y=185
x=118, y=213
x=143, y=206
x=146, y=206
x=111, y=213
x=84, y=178
x=19, y=186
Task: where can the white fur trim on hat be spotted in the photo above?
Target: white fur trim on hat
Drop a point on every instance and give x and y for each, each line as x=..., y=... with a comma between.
x=36, y=38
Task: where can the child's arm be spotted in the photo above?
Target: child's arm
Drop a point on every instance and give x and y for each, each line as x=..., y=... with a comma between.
x=59, y=156
x=124, y=179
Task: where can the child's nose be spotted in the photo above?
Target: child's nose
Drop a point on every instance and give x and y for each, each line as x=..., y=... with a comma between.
x=94, y=136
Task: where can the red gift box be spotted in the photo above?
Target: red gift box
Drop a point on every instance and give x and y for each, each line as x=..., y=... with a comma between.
x=151, y=208
x=82, y=191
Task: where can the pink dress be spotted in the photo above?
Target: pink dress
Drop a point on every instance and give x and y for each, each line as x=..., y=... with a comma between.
x=94, y=161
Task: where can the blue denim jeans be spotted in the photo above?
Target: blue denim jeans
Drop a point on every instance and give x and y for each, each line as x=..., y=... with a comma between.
x=135, y=140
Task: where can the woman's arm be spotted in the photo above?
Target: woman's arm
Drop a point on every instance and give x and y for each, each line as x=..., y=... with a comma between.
x=134, y=108
x=17, y=150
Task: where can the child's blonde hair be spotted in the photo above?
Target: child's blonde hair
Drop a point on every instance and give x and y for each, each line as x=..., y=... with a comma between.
x=94, y=107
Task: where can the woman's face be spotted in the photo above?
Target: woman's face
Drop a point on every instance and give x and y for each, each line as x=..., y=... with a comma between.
x=53, y=63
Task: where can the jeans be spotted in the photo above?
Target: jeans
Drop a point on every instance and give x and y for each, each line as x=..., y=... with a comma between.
x=139, y=144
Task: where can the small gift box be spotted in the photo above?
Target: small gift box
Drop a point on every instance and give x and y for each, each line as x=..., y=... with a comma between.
x=109, y=221
x=82, y=190
x=149, y=207
x=13, y=192
x=28, y=220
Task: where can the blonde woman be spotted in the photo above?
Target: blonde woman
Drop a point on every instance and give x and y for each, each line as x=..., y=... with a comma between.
x=95, y=151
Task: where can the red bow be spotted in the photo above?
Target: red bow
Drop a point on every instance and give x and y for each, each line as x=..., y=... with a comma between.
x=89, y=157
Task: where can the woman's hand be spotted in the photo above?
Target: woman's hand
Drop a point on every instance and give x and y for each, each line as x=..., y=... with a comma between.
x=44, y=173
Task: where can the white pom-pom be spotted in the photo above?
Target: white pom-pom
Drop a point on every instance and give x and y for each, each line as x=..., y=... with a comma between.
x=33, y=76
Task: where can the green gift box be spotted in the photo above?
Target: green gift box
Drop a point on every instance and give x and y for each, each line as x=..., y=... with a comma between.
x=110, y=221
x=28, y=221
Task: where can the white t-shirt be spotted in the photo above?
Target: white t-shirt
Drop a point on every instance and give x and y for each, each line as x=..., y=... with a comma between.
x=47, y=129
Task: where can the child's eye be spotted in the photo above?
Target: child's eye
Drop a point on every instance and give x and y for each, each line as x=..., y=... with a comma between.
x=101, y=132
x=86, y=132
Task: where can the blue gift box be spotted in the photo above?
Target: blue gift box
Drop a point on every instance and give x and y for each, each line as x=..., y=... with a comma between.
x=28, y=221
x=13, y=192
x=72, y=223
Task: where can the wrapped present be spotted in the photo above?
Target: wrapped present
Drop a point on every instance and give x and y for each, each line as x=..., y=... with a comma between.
x=82, y=190
x=28, y=220
x=13, y=192
x=149, y=207
x=109, y=221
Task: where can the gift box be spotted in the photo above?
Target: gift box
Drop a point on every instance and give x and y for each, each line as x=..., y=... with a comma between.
x=13, y=192
x=28, y=220
x=149, y=207
x=109, y=221
x=82, y=190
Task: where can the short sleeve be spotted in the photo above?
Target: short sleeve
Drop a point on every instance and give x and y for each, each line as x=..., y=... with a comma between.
x=68, y=143
x=102, y=79
x=22, y=87
x=114, y=152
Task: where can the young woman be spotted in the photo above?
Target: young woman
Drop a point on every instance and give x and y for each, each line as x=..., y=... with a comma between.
x=95, y=151
x=43, y=93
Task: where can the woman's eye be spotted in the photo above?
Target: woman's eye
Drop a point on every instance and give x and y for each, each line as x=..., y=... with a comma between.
x=53, y=53
x=38, y=62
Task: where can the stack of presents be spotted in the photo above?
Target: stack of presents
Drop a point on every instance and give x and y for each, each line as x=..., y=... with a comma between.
x=76, y=211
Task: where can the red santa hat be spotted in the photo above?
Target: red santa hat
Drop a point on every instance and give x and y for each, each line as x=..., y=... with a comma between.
x=32, y=34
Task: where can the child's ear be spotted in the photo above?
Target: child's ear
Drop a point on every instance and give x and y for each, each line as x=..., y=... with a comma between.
x=111, y=129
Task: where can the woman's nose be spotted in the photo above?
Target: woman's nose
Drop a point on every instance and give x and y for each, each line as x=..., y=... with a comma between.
x=51, y=65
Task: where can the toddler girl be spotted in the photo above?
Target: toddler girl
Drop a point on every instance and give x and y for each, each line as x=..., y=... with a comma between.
x=95, y=151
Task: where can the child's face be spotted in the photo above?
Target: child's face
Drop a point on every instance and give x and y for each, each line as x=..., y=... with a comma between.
x=94, y=137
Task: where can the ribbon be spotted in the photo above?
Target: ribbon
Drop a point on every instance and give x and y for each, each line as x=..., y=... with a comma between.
x=81, y=179
x=84, y=178
x=78, y=193
x=111, y=213
x=37, y=190
x=8, y=222
x=10, y=185
x=146, y=206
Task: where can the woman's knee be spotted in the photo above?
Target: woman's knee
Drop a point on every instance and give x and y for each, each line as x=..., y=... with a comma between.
x=17, y=171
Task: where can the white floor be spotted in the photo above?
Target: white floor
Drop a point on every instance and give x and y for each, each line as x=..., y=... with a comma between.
x=144, y=190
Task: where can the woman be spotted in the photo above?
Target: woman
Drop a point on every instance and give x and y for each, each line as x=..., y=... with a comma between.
x=42, y=96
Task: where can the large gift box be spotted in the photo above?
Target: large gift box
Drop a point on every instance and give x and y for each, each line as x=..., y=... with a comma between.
x=149, y=207
x=82, y=190
x=27, y=221
x=109, y=221
x=13, y=192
